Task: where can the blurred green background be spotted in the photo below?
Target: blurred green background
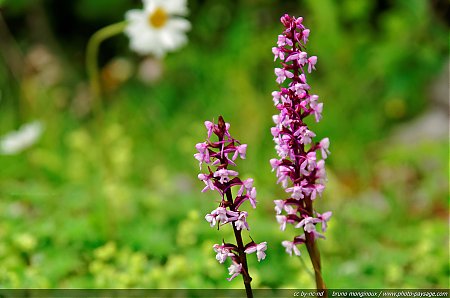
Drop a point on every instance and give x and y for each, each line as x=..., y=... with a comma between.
x=117, y=203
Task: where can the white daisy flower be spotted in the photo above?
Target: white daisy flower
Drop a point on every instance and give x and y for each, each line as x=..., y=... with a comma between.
x=17, y=141
x=158, y=28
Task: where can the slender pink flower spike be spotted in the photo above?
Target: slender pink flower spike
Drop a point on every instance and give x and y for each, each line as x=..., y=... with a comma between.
x=215, y=155
x=299, y=168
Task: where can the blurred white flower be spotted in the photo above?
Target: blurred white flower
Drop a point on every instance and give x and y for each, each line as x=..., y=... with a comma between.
x=17, y=141
x=158, y=28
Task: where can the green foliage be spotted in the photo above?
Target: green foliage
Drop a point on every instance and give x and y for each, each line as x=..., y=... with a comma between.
x=115, y=202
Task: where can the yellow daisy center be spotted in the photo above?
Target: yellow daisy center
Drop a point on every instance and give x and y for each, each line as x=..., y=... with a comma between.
x=158, y=18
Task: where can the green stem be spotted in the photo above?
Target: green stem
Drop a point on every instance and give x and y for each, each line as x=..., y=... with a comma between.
x=92, y=64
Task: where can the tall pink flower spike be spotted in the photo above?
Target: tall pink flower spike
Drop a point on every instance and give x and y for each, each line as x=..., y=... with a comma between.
x=300, y=168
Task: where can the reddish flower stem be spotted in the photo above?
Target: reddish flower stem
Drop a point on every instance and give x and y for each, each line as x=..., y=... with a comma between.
x=314, y=253
x=237, y=233
x=242, y=256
